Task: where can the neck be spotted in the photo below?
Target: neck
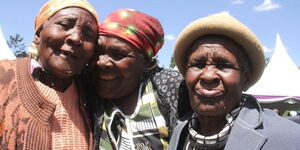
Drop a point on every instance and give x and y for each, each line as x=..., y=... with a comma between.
x=208, y=125
x=128, y=103
x=51, y=80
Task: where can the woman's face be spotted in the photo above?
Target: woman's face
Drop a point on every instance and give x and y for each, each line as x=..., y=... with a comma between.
x=119, y=68
x=213, y=77
x=67, y=42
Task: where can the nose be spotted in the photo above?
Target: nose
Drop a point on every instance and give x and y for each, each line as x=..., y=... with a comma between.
x=104, y=61
x=75, y=37
x=209, y=75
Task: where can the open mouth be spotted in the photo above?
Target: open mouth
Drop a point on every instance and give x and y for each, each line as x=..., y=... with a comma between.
x=65, y=53
x=107, y=77
x=69, y=55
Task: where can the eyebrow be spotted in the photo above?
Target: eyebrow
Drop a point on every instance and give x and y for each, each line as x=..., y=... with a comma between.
x=216, y=59
x=199, y=58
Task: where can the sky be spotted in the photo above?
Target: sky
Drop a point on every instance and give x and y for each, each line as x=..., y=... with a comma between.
x=264, y=17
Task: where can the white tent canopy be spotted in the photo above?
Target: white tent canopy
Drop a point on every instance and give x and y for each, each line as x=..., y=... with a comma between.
x=280, y=80
x=5, y=52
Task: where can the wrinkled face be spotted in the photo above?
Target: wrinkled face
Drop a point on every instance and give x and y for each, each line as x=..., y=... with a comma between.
x=119, y=68
x=214, y=77
x=67, y=42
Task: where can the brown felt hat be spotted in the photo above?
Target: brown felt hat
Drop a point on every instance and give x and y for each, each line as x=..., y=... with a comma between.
x=221, y=24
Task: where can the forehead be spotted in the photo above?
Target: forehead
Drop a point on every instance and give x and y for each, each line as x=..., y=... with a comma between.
x=215, y=44
x=73, y=12
x=115, y=44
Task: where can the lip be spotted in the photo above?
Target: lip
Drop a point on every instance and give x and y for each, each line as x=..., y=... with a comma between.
x=70, y=55
x=107, y=77
x=66, y=53
x=210, y=93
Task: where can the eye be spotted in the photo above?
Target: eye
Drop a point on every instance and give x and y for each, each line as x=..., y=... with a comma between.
x=223, y=66
x=89, y=33
x=226, y=66
x=64, y=24
x=119, y=56
x=197, y=66
x=200, y=65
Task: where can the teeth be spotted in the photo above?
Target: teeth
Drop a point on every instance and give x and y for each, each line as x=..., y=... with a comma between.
x=107, y=77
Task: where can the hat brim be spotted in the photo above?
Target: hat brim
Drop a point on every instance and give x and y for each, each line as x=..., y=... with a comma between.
x=221, y=24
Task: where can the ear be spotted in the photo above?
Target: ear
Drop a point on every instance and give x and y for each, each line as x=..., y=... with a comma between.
x=246, y=80
x=146, y=64
x=36, y=40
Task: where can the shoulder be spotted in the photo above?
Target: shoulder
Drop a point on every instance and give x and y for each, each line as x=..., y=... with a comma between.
x=167, y=82
x=8, y=71
x=280, y=128
x=6, y=61
x=274, y=120
x=270, y=123
x=294, y=118
x=182, y=123
x=7, y=65
x=166, y=76
x=180, y=133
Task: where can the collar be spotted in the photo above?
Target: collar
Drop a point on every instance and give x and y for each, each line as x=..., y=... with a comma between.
x=251, y=113
x=39, y=73
x=34, y=102
x=245, y=127
x=34, y=65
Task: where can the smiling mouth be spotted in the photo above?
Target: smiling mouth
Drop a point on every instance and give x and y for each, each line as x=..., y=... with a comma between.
x=107, y=77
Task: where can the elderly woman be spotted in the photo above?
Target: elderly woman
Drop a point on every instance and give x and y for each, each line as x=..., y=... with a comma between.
x=40, y=102
x=139, y=98
x=220, y=58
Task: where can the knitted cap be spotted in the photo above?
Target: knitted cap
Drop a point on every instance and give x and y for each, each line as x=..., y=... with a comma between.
x=141, y=30
x=53, y=6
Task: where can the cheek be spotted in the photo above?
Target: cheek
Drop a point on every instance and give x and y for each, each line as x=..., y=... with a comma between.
x=49, y=41
x=191, y=78
x=233, y=89
x=231, y=82
x=89, y=49
x=134, y=71
x=52, y=35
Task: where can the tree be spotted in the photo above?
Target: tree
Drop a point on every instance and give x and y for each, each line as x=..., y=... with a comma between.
x=267, y=60
x=17, y=45
x=172, y=64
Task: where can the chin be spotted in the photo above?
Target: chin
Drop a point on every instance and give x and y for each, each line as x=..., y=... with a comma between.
x=106, y=97
x=207, y=110
x=105, y=94
x=63, y=74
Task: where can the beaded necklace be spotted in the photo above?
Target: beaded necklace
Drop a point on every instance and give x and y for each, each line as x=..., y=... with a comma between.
x=217, y=141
